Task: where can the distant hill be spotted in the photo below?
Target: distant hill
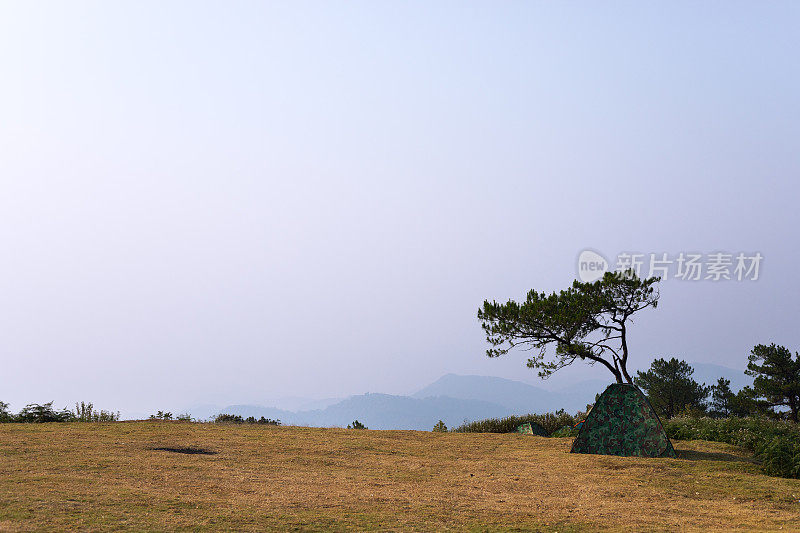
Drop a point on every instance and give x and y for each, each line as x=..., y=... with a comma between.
x=519, y=397
x=382, y=411
x=709, y=374
x=290, y=405
x=451, y=398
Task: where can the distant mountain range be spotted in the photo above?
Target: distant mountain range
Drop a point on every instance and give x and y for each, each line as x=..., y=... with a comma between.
x=381, y=411
x=520, y=398
x=709, y=374
x=453, y=398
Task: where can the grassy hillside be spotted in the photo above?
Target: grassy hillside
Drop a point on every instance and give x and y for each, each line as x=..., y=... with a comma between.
x=110, y=476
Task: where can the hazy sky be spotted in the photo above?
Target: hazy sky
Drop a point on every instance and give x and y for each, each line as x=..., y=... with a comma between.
x=233, y=201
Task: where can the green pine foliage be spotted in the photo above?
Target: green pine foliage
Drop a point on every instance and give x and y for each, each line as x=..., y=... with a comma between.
x=776, y=374
x=670, y=388
x=223, y=418
x=722, y=399
x=586, y=322
x=440, y=427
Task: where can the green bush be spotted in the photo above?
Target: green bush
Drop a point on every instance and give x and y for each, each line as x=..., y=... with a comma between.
x=357, y=425
x=233, y=419
x=238, y=419
x=775, y=443
x=551, y=422
x=5, y=415
x=35, y=413
x=85, y=412
x=440, y=427
x=780, y=457
x=566, y=431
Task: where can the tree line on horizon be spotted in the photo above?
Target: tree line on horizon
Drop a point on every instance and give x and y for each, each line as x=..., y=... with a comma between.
x=775, y=392
x=38, y=413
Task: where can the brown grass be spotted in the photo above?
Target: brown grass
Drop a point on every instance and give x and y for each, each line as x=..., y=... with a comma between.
x=109, y=476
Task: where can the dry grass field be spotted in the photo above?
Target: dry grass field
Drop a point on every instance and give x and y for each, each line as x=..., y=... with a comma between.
x=93, y=477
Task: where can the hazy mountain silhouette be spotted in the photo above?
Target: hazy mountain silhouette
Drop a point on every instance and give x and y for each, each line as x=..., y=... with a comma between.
x=709, y=374
x=382, y=411
x=519, y=397
x=453, y=399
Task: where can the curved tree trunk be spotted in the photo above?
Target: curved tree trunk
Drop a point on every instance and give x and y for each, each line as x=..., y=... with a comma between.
x=625, y=373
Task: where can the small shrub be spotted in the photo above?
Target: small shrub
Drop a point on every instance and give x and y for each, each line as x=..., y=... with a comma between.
x=440, y=427
x=238, y=419
x=35, y=413
x=566, y=431
x=549, y=421
x=357, y=425
x=185, y=417
x=85, y=412
x=230, y=419
x=5, y=415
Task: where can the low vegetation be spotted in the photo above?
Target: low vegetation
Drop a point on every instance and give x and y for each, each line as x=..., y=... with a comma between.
x=776, y=444
x=238, y=419
x=85, y=412
x=551, y=422
x=566, y=431
x=35, y=413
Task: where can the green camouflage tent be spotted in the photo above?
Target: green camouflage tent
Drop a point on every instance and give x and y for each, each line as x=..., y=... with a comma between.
x=532, y=428
x=622, y=422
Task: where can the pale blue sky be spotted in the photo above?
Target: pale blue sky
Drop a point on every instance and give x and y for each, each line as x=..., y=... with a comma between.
x=226, y=202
